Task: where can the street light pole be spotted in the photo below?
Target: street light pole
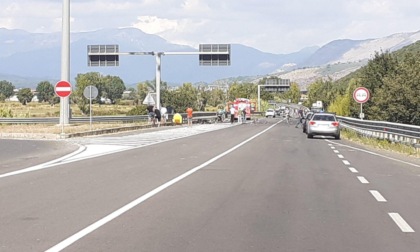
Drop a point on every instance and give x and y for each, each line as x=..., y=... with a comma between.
x=65, y=61
x=158, y=56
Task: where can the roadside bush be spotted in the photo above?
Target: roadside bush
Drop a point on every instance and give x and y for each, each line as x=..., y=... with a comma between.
x=138, y=110
x=6, y=112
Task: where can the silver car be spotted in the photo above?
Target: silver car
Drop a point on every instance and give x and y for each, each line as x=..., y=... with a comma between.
x=323, y=124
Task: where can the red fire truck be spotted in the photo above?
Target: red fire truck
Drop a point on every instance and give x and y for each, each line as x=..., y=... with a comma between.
x=241, y=104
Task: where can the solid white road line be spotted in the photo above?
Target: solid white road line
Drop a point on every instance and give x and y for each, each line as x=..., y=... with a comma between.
x=72, y=239
x=373, y=153
x=362, y=180
x=352, y=169
x=402, y=224
x=377, y=196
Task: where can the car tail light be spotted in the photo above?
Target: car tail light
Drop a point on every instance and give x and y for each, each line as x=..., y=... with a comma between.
x=312, y=123
x=335, y=124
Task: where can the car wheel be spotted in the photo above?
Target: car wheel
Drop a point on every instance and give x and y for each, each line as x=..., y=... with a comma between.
x=337, y=137
x=310, y=136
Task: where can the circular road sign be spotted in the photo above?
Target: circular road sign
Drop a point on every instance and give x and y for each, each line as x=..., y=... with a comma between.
x=63, y=88
x=361, y=95
x=90, y=92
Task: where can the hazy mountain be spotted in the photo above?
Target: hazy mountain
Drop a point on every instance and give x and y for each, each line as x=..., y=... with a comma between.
x=26, y=58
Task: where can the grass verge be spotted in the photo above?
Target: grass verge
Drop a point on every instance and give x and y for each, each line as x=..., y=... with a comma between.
x=380, y=144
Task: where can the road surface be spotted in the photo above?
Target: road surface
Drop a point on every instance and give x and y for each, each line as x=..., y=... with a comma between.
x=253, y=187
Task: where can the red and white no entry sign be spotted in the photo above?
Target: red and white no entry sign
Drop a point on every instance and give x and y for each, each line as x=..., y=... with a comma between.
x=361, y=95
x=63, y=88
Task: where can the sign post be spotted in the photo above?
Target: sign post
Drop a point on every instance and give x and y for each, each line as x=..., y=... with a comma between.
x=63, y=90
x=90, y=92
x=361, y=95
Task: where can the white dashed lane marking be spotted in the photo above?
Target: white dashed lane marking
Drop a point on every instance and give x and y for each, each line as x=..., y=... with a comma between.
x=346, y=162
x=353, y=170
x=363, y=180
x=378, y=196
x=401, y=223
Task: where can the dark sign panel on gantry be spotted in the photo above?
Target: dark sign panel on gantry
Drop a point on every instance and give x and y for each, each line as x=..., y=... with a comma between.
x=214, y=54
x=103, y=55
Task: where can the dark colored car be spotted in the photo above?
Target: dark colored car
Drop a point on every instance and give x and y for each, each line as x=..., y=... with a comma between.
x=323, y=124
x=308, y=117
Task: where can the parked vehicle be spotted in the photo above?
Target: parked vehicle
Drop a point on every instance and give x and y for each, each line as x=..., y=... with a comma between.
x=270, y=113
x=240, y=105
x=323, y=124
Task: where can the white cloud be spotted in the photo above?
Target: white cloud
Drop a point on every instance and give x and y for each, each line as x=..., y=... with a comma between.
x=277, y=26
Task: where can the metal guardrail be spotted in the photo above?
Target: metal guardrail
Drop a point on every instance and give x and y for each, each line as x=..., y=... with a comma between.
x=110, y=119
x=394, y=132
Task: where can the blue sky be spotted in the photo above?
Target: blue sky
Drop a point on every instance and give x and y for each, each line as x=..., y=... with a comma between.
x=275, y=26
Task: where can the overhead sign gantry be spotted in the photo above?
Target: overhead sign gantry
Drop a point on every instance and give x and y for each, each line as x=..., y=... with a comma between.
x=209, y=55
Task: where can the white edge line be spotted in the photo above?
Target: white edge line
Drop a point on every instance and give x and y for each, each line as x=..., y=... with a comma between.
x=378, y=196
x=68, y=158
x=375, y=154
x=70, y=240
x=401, y=223
x=44, y=165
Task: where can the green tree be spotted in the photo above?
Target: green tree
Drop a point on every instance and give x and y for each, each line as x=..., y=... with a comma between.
x=294, y=93
x=113, y=88
x=184, y=97
x=25, y=95
x=373, y=76
x=217, y=97
x=45, y=92
x=398, y=98
x=6, y=89
x=142, y=91
x=82, y=81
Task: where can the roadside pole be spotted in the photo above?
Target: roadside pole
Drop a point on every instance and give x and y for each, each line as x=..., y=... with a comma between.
x=65, y=62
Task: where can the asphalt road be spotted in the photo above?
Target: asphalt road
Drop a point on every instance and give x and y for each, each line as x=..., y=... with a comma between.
x=263, y=187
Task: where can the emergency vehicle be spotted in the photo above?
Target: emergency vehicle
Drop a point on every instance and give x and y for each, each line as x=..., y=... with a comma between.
x=241, y=104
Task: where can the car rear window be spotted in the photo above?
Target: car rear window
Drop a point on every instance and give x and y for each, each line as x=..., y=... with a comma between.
x=323, y=118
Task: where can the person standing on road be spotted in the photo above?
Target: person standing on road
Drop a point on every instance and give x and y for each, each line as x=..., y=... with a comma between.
x=189, y=115
x=301, y=116
x=151, y=114
x=164, y=115
x=232, y=114
x=158, y=116
x=287, y=113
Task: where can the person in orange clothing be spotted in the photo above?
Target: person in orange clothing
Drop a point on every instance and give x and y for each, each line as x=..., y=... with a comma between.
x=189, y=115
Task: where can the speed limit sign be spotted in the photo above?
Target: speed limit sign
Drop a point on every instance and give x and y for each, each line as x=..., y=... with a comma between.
x=361, y=95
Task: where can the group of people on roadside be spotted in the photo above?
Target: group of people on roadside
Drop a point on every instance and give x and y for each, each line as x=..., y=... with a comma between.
x=241, y=114
x=157, y=116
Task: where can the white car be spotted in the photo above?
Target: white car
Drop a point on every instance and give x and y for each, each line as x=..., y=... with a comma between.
x=270, y=113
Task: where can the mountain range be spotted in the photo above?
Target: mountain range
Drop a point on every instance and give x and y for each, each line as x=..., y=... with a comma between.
x=28, y=58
